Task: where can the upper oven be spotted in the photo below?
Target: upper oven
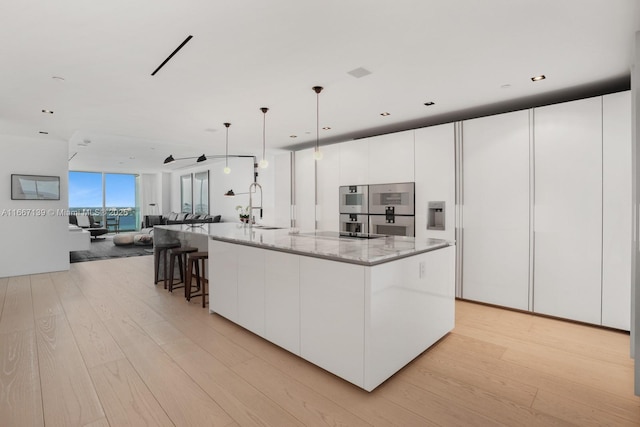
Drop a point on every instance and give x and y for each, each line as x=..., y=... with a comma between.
x=399, y=199
x=354, y=199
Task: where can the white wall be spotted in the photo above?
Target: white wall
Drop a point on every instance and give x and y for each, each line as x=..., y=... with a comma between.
x=33, y=244
x=238, y=180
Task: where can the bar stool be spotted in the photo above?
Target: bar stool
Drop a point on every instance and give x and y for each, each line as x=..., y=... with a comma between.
x=195, y=260
x=181, y=254
x=161, y=249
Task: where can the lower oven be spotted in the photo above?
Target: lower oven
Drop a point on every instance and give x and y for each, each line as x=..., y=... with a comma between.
x=354, y=223
x=392, y=225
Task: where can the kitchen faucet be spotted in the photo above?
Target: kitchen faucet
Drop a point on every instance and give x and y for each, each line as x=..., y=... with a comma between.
x=253, y=186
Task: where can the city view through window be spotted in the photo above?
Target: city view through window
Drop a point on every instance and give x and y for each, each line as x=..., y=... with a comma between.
x=109, y=197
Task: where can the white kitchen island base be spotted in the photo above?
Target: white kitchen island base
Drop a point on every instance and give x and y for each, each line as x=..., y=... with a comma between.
x=360, y=321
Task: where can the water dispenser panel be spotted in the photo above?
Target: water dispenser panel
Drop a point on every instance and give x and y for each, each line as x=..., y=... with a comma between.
x=435, y=216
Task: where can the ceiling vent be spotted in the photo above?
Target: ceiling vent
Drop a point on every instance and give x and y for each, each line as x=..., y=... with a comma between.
x=359, y=72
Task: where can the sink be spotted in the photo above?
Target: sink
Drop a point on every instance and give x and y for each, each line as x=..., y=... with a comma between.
x=267, y=227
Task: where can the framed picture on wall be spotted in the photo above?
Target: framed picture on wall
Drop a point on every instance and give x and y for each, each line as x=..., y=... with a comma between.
x=35, y=187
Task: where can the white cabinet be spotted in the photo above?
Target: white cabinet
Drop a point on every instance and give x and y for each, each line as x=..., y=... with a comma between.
x=495, y=212
x=251, y=288
x=305, y=190
x=354, y=162
x=332, y=316
x=616, y=210
x=568, y=210
x=435, y=178
x=223, y=279
x=391, y=158
x=411, y=302
x=282, y=190
x=328, y=182
x=282, y=300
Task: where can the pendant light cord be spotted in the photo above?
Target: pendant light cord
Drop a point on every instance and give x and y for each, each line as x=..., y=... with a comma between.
x=226, y=149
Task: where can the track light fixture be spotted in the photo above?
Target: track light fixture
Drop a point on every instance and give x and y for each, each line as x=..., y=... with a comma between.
x=201, y=158
x=263, y=162
x=169, y=160
x=317, y=154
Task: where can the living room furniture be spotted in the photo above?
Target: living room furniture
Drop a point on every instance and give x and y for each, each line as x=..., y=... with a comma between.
x=79, y=239
x=88, y=223
x=114, y=223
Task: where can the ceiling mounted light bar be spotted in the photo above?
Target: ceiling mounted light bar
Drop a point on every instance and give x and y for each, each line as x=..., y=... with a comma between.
x=173, y=53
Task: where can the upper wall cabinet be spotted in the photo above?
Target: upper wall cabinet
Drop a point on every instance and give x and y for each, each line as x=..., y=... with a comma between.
x=354, y=162
x=495, y=209
x=568, y=210
x=616, y=210
x=434, y=165
x=391, y=158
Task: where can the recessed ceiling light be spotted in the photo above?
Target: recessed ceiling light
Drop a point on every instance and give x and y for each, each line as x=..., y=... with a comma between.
x=43, y=132
x=293, y=136
x=538, y=78
x=326, y=128
x=385, y=114
x=430, y=103
x=58, y=78
x=131, y=158
x=47, y=111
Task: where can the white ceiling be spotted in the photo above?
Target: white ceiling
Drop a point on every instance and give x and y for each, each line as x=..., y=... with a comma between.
x=247, y=54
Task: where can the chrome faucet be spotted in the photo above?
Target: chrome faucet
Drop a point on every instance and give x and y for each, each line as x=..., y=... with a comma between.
x=253, y=187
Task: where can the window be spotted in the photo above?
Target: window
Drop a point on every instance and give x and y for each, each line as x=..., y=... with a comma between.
x=110, y=197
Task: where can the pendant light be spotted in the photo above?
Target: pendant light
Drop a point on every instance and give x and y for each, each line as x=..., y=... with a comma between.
x=317, y=154
x=263, y=163
x=227, y=169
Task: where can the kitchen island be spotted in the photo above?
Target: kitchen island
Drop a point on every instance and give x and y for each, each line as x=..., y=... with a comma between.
x=361, y=308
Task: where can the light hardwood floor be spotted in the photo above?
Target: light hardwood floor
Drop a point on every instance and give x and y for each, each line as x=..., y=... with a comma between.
x=100, y=345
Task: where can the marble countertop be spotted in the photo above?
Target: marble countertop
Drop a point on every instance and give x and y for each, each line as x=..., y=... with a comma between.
x=317, y=244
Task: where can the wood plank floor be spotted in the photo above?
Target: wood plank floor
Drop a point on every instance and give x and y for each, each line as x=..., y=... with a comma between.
x=100, y=345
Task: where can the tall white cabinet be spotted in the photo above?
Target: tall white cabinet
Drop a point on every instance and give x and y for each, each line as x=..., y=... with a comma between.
x=305, y=190
x=568, y=210
x=496, y=206
x=546, y=210
x=616, y=210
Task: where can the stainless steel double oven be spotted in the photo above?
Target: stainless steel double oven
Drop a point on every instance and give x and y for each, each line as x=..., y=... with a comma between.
x=354, y=208
x=378, y=209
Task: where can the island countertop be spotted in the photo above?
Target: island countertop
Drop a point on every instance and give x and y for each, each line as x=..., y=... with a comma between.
x=318, y=244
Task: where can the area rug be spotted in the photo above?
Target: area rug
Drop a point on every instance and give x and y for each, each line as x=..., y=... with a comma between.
x=105, y=249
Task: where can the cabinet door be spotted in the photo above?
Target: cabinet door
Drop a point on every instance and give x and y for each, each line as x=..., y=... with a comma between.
x=391, y=158
x=435, y=178
x=568, y=210
x=282, y=300
x=332, y=316
x=282, y=191
x=354, y=162
x=328, y=206
x=495, y=251
x=616, y=210
x=305, y=190
x=223, y=279
x=251, y=265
